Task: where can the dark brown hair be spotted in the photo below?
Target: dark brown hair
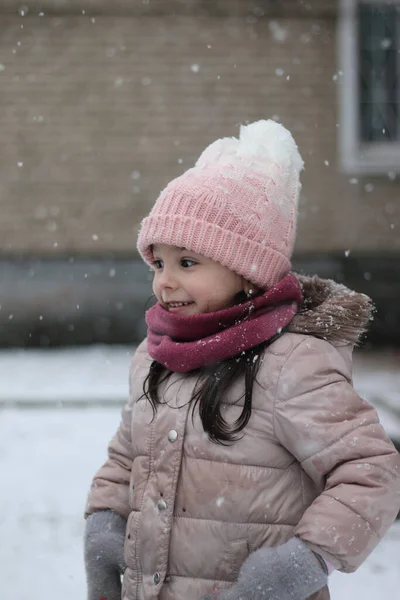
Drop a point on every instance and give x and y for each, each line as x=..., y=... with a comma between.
x=211, y=388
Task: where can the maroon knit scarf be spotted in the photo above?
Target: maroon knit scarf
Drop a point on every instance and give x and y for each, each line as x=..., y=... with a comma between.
x=183, y=343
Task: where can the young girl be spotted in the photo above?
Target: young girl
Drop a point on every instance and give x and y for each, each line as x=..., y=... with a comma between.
x=245, y=466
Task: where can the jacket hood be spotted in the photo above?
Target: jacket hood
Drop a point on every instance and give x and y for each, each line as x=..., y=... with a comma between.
x=332, y=312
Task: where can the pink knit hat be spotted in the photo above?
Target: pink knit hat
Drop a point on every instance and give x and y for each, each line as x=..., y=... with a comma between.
x=237, y=205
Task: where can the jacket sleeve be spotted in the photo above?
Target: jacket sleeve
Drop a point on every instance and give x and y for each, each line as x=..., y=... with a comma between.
x=338, y=440
x=110, y=485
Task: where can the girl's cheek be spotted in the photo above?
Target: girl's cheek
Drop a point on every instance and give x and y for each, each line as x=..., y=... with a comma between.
x=155, y=289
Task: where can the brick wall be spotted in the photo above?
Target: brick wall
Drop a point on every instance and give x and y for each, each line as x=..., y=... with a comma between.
x=233, y=8
x=99, y=111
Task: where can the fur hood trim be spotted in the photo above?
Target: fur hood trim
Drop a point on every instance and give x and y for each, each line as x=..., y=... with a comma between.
x=332, y=312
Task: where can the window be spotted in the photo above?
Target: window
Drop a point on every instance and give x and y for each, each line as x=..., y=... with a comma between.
x=369, y=55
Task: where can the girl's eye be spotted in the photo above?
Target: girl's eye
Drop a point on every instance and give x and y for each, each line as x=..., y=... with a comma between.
x=187, y=262
x=156, y=264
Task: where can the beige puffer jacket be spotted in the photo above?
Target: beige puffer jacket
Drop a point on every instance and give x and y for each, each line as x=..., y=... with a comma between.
x=313, y=462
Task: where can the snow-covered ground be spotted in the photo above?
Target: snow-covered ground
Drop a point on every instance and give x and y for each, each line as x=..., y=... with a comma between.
x=59, y=409
x=66, y=376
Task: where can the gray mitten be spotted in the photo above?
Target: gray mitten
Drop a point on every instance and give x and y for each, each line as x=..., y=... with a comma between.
x=104, y=541
x=287, y=572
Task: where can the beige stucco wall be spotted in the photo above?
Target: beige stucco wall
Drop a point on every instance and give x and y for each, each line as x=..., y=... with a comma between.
x=99, y=112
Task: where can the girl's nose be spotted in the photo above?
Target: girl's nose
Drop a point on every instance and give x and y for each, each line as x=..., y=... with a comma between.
x=167, y=279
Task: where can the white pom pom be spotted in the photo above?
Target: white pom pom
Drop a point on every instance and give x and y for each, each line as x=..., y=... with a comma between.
x=263, y=146
x=270, y=142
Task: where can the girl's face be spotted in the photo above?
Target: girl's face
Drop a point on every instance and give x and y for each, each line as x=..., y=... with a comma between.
x=187, y=283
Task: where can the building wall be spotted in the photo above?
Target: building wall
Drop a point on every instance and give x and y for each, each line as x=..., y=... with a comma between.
x=100, y=110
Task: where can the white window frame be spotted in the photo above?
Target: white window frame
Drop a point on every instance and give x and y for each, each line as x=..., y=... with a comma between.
x=357, y=157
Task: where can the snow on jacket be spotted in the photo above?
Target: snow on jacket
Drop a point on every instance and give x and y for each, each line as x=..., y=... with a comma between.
x=313, y=461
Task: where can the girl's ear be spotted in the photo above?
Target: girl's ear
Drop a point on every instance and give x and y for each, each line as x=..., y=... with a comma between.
x=249, y=288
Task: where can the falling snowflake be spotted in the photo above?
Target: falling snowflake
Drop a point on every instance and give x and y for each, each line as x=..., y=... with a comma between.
x=278, y=32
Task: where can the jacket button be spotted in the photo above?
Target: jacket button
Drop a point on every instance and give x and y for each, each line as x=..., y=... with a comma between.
x=156, y=578
x=161, y=505
x=172, y=435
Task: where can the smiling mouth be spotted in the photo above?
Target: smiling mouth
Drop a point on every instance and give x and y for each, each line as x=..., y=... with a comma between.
x=178, y=304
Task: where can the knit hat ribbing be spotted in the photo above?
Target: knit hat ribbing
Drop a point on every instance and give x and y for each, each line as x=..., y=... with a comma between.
x=236, y=206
